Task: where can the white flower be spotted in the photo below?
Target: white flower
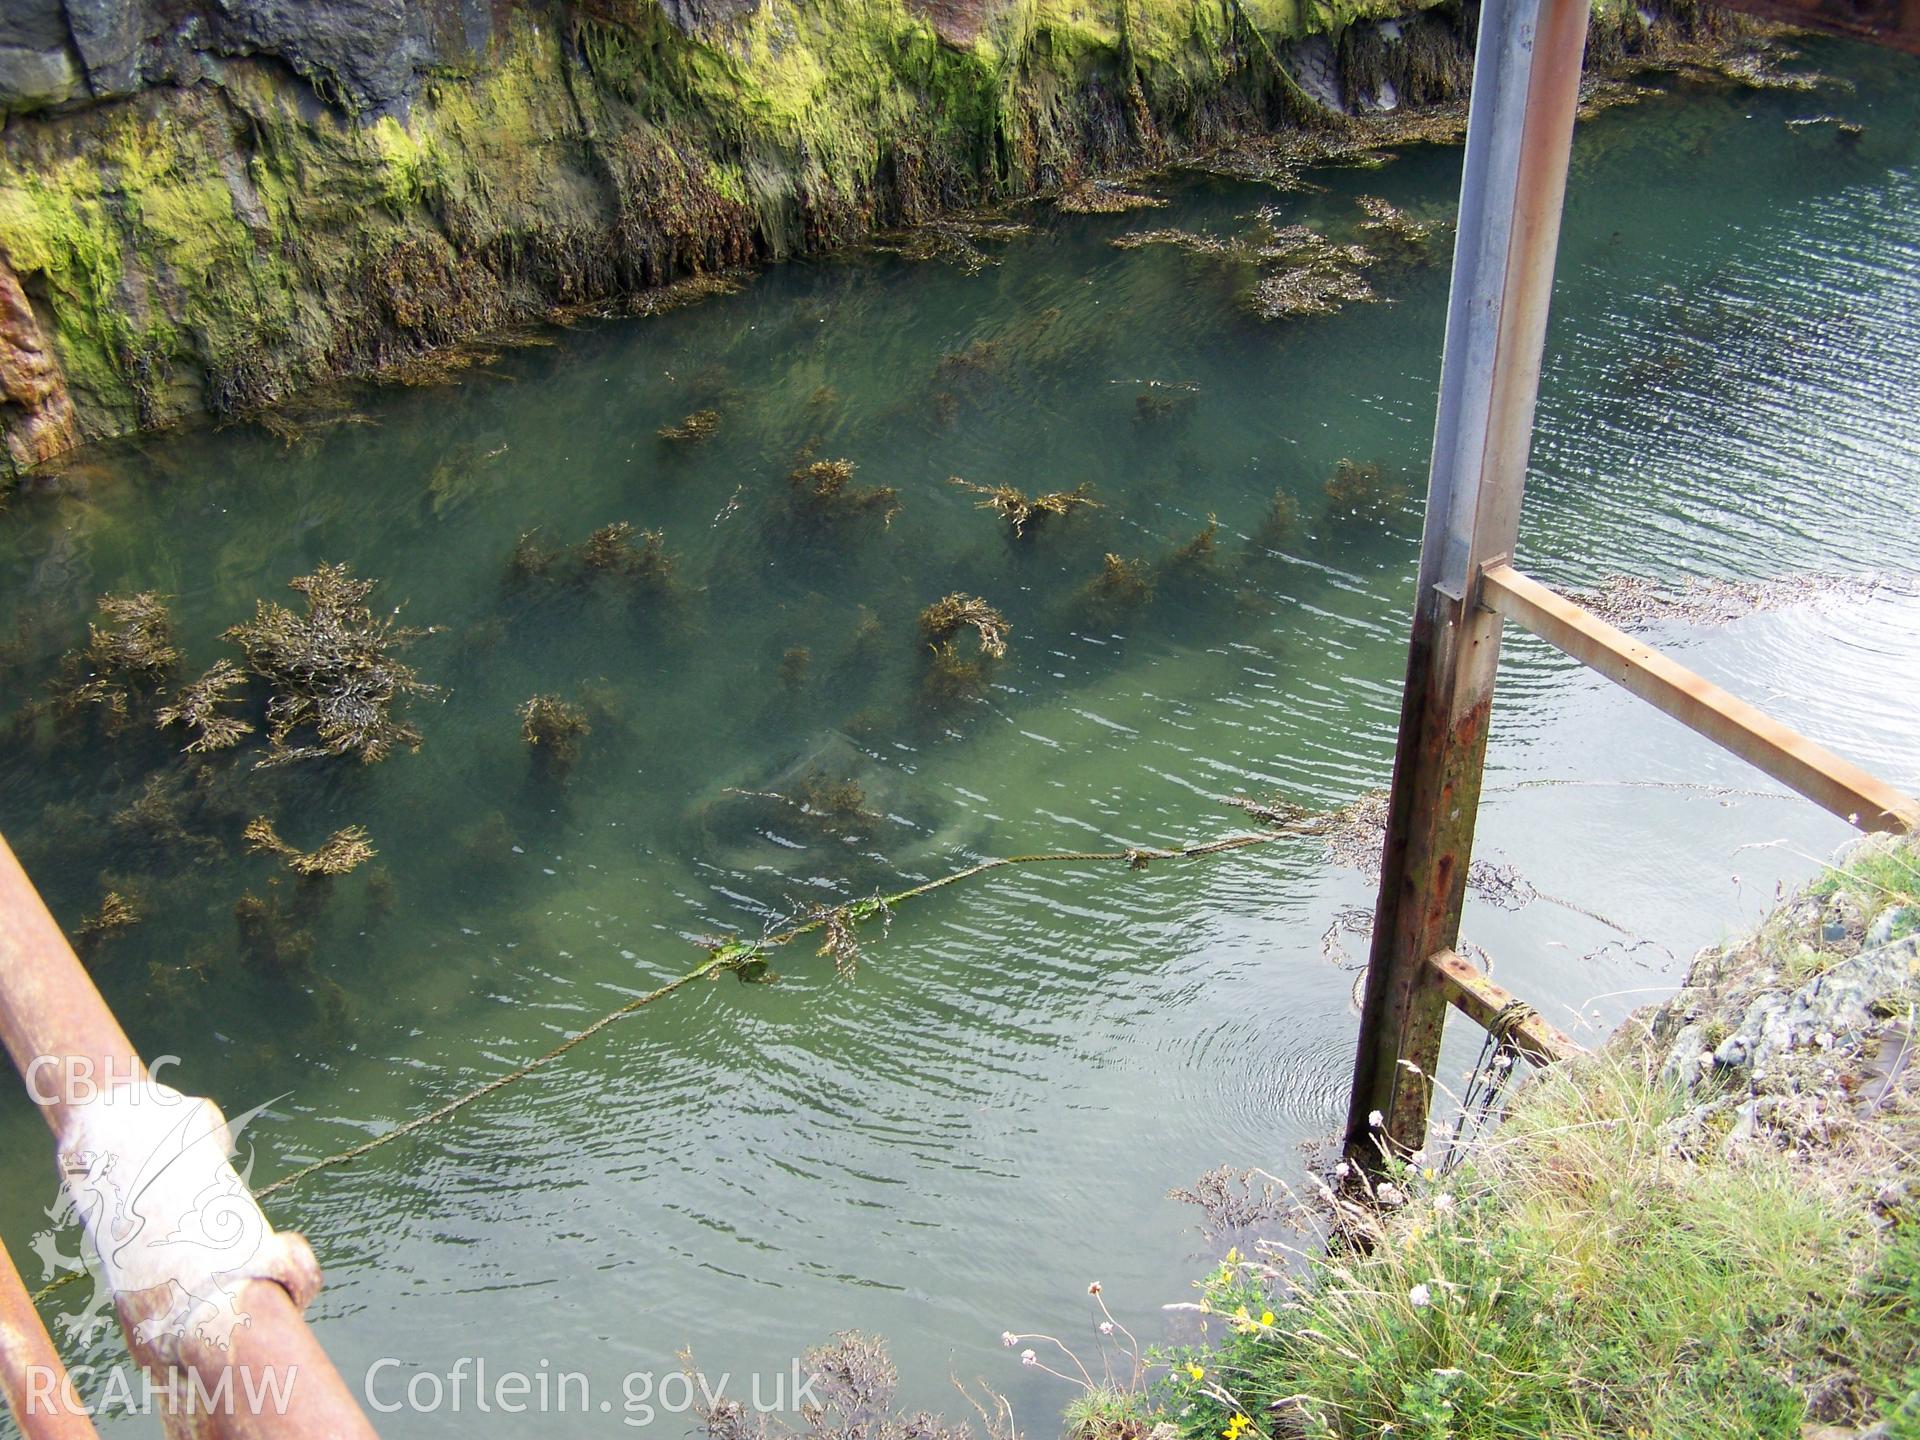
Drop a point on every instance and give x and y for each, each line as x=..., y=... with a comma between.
x=1417, y=1297
x=1443, y=1203
x=1106, y=1327
x=1009, y=1339
x=1027, y=1357
x=1389, y=1194
x=1376, y=1119
x=1342, y=1170
x=1417, y=1159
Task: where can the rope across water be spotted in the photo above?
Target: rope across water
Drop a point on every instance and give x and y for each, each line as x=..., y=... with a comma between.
x=733, y=956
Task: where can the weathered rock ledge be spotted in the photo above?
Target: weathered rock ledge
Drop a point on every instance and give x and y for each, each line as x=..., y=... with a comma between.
x=207, y=204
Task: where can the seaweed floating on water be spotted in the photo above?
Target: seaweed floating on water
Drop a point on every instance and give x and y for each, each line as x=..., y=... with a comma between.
x=1359, y=494
x=1394, y=234
x=824, y=490
x=1100, y=197
x=199, y=706
x=171, y=819
x=129, y=655
x=956, y=612
x=334, y=671
x=954, y=239
x=1192, y=241
x=1022, y=510
x=553, y=729
x=343, y=852
x=1316, y=276
x=697, y=428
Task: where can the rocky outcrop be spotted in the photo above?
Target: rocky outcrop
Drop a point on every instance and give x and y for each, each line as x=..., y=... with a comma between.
x=207, y=204
x=31, y=385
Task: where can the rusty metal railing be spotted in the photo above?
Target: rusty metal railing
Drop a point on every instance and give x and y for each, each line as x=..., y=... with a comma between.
x=218, y=1332
x=1526, y=85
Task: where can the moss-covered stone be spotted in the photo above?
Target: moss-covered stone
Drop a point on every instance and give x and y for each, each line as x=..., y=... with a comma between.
x=276, y=215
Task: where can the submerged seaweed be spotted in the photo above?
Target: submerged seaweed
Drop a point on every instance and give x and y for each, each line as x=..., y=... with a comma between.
x=333, y=671
x=553, y=730
x=130, y=653
x=700, y=426
x=199, y=706
x=1359, y=494
x=1121, y=586
x=824, y=490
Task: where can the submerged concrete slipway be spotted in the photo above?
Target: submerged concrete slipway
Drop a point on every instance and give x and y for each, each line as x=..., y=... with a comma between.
x=954, y=1135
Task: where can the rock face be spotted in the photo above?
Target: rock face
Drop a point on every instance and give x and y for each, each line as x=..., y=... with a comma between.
x=205, y=204
x=31, y=385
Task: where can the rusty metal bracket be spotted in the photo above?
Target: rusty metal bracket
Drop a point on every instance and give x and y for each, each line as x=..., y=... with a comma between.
x=1470, y=991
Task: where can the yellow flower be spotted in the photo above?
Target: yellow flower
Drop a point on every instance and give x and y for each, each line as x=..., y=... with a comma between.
x=1266, y=1318
x=1233, y=1256
x=1242, y=1316
x=1198, y=1372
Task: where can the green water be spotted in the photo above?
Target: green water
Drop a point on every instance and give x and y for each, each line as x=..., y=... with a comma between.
x=989, y=1114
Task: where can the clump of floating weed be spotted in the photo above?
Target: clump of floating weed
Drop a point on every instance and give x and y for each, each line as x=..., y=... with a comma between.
x=1358, y=494
x=824, y=490
x=199, y=706
x=697, y=428
x=1280, y=526
x=1098, y=197
x=343, y=852
x=1315, y=275
x=1392, y=233
x=1121, y=587
x=553, y=730
x=334, y=671
x=824, y=397
x=129, y=655
x=794, y=666
x=531, y=558
x=954, y=612
x=1193, y=242
x=1021, y=510
x=114, y=914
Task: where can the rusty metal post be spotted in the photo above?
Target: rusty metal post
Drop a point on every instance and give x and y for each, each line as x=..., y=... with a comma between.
x=76, y=1060
x=37, y=1387
x=1526, y=84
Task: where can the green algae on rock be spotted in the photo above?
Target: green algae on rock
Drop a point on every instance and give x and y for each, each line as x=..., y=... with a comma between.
x=205, y=208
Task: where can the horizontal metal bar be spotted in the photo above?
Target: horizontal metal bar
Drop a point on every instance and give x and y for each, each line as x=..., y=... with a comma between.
x=1696, y=702
x=1473, y=994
